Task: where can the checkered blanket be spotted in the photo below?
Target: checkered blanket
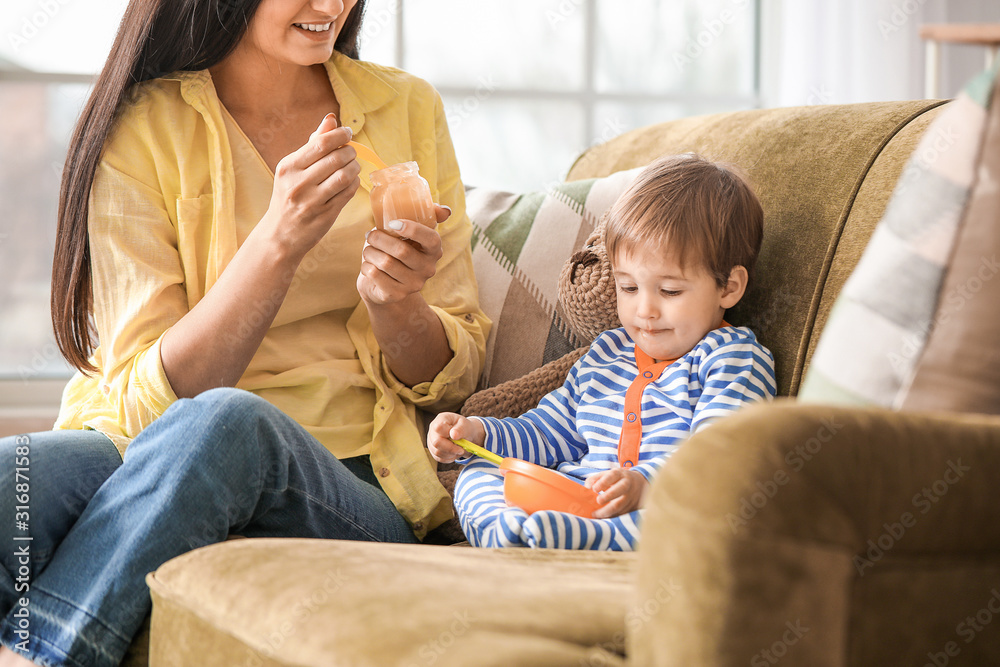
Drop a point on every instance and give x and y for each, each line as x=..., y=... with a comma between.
x=520, y=243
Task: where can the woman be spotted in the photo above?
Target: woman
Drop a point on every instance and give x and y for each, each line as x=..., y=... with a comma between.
x=213, y=230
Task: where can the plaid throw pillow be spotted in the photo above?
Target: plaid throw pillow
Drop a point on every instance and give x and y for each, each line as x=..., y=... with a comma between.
x=878, y=327
x=959, y=369
x=519, y=245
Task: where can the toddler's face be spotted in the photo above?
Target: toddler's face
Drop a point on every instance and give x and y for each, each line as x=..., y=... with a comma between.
x=664, y=309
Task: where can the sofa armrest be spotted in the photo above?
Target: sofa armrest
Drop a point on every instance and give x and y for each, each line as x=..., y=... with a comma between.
x=515, y=397
x=823, y=536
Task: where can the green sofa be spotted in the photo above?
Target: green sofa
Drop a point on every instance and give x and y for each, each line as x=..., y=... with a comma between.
x=786, y=533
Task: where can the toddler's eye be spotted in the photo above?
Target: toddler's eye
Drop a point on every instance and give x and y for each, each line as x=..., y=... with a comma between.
x=628, y=289
x=670, y=292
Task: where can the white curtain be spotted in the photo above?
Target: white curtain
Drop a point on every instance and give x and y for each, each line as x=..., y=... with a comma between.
x=842, y=51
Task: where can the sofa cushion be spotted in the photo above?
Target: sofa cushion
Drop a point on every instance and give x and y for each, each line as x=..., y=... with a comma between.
x=328, y=603
x=959, y=369
x=520, y=243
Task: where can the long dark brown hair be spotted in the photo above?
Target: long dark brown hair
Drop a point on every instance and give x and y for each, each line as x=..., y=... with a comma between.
x=156, y=37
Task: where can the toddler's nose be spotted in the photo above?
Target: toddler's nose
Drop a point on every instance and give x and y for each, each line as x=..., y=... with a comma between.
x=647, y=308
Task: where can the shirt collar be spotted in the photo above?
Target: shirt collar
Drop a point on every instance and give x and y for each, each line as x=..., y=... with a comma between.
x=192, y=83
x=359, y=90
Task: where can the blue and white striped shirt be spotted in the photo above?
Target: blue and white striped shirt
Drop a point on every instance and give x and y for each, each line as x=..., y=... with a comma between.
x=576, y=428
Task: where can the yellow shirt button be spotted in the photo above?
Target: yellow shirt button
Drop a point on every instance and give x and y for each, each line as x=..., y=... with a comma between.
x=383, y=472
x=418, y=525
x=469, y=317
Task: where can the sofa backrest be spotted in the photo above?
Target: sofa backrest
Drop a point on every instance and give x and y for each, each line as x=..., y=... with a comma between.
x=824, y=175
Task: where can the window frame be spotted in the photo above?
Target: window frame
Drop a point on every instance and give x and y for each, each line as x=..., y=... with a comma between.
x=589, y=97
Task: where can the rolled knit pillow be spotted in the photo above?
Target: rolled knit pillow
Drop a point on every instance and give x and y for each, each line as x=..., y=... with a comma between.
x=587, y=288
x=515, y=397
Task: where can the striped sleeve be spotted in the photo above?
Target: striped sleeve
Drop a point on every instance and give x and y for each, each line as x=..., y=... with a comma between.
x=650, y=467
x=547, y=434
x=733, y=375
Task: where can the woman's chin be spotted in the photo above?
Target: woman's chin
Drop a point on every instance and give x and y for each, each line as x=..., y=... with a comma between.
x=314, y=57
x=305, y=55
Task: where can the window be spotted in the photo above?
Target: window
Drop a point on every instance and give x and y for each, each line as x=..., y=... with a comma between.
x=527, y=85
x=49, y=51
x=38, y=118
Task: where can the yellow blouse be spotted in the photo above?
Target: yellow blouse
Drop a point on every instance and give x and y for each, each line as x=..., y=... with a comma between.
x=175, y=195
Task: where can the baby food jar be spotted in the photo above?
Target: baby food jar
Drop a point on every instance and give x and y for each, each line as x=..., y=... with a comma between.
x=399, y=192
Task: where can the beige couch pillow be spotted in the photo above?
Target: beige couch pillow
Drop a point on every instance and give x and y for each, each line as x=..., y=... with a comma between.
x=959, y=369
x=878, y=329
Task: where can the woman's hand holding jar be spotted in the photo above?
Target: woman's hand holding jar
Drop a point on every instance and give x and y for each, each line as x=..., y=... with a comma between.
x=395, y=265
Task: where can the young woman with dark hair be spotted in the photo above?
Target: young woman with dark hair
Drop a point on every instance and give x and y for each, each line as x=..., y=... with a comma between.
x=237, y=324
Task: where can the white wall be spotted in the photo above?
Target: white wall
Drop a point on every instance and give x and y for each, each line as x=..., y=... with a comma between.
x=961, y=62
x=846, y=51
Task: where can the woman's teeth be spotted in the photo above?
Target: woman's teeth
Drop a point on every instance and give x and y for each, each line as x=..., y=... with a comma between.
x=315, y=27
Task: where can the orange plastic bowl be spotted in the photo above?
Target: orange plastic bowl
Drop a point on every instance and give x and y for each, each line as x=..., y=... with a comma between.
x=534, y=488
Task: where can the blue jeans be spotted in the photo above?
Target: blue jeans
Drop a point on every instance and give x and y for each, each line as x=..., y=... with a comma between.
x=224, y=462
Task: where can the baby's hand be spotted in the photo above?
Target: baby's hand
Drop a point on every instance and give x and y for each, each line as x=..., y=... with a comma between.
x=619, y=490
x=449, y=426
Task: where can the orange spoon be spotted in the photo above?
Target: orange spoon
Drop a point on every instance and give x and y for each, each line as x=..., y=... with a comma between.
x=367, y=154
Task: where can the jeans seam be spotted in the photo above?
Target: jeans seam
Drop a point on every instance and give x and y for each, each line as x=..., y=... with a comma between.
x=57, y=622
x=261, y=490
x=333, y=510
x=5, y=625
x=89, y=615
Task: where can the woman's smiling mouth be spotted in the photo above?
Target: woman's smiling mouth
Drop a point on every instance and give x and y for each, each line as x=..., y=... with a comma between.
x=314, y=27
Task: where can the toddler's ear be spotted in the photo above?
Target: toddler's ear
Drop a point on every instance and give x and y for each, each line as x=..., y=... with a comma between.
x=735, y=286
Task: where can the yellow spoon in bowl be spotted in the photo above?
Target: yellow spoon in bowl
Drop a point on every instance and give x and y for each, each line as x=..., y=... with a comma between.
x=534, y=488
x=473, y=448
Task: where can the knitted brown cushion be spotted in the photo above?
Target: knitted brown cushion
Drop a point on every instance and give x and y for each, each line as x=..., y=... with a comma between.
x=515, y=397
x=587, y=288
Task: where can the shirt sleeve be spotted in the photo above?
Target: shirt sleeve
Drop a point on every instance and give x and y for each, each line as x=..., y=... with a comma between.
x=650, y=467
x=138, y=293
x=452, y=292
x=545, y=435
x=733, y=375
